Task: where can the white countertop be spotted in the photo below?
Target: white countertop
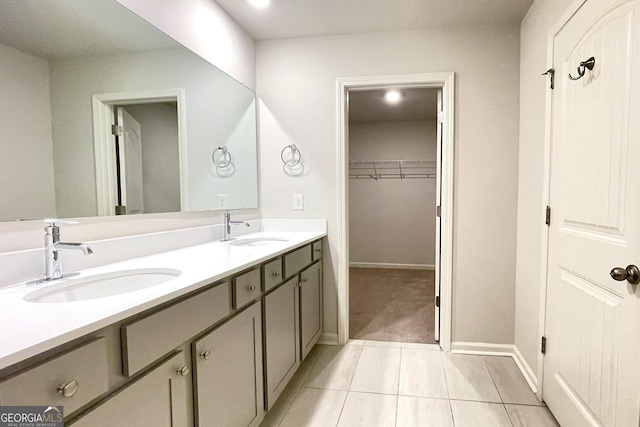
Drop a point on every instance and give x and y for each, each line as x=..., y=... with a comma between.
x=28, y=329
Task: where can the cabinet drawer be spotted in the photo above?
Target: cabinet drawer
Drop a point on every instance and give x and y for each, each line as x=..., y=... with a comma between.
x=272, y=274
x=43, y=385
x=317, y=250
x=297, y=260
x=246, y=288
x=150, y=338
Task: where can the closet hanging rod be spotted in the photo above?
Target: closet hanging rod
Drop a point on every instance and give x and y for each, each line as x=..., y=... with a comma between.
x=392, y=176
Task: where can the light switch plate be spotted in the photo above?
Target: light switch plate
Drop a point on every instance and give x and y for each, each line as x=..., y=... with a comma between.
x=222, y=201
x=298, y=202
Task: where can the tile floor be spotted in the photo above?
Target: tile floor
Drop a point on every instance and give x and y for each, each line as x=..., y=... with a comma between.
x=389, y=384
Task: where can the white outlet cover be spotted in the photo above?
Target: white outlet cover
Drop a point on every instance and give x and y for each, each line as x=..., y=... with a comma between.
x=298, y=202
x=222, y=201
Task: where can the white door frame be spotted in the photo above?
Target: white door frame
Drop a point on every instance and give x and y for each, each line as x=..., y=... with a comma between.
x=444, y=81
x=546, y=188
x=105, y=158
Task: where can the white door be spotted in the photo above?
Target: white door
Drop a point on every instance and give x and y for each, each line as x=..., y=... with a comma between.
x=130, y=144
x=438, y=222
x=592, y=363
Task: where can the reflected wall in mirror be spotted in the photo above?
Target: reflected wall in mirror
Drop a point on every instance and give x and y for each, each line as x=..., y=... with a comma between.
x=69, y=70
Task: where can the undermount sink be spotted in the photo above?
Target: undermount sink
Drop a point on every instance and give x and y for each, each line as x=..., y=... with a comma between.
x=101, y=285
x=259, y=241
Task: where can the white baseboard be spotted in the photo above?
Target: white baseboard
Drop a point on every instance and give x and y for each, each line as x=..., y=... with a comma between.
x=393, y=266
x=487, y=349
x=328, y=339
x=481, y=348
x=526, y=370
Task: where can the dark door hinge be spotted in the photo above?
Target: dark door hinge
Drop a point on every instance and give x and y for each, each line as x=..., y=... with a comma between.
x=547, y=216
x=438, y=211
x=437, y=301
x=543, y=345
x=552, y=73
x=116, y=130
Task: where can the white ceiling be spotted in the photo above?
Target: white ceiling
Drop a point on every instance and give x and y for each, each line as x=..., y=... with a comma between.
x=67, y=28
x=308, y=18
x=370, y=106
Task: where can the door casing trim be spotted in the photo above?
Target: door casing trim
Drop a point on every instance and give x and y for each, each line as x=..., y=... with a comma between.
x=444, y=81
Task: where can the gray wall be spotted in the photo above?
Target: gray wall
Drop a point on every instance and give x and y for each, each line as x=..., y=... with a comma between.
x=533, y=89
x=160, y=159
x=26, y=163
x=391, y=220
x=297, y=85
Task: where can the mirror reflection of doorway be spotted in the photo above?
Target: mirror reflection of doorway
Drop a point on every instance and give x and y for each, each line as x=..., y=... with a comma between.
x=393, y=194
x=147, y=160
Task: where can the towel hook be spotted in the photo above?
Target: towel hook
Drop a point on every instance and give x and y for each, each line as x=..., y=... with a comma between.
x=223, y=159
x=584, y=65
x=292, y=161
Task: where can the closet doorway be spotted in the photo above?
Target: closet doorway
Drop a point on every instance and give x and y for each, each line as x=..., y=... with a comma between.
x=392, y=214
x=396, y=213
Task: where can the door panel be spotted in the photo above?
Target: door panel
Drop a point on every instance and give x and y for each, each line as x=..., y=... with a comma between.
x=281, y=341
x=591, y=375
x=439, y=133
x=229, y=387
x=310, y=307
x=131, y=163
x=158, y=398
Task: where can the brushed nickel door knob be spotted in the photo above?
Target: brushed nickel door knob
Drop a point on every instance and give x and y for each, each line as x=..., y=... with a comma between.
x=631, y=274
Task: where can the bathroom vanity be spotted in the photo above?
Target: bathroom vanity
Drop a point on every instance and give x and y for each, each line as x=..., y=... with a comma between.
x=213, y=346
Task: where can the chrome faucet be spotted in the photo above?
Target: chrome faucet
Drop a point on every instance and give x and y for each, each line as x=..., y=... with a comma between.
x=53, y=248
x=227, y=226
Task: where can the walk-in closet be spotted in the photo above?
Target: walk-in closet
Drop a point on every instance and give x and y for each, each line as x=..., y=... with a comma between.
x=393, y=171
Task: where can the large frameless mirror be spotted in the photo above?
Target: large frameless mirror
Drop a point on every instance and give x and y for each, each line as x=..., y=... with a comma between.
x=103, y=114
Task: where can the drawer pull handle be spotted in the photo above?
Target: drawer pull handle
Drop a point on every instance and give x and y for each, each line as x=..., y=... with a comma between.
x=68, y=389
x=251, y=287
x=206, y=354
x=184, y=371
x=275, y=274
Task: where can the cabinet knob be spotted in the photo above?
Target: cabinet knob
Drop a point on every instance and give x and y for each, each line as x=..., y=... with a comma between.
x=275, y=274
x=305, y=280
x=251, y=287
x=184, y=371
x=68, y=389
x=318, y=250
x=206, y=354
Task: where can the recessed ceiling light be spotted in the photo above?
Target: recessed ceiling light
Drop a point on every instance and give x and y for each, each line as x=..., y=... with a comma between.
x=392, y=96
x=260, y=3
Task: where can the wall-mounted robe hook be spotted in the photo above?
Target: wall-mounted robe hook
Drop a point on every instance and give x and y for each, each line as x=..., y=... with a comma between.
x=584, y=65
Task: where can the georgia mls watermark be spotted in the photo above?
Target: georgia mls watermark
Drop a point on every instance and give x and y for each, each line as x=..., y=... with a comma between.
x=31, y=416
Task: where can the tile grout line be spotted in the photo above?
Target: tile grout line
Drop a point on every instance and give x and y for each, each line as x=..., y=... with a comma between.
x=493, y=381
x=295, y=396
x=349, y=386
x=398, y=389
x=446, y=385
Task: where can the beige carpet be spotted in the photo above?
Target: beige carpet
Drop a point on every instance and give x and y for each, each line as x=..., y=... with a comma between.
x=391, y=305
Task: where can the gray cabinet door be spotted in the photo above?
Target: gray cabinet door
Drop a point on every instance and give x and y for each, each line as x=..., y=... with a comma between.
x=310, y=307
x=282, y=343
x=228, y=377
x=157, y=399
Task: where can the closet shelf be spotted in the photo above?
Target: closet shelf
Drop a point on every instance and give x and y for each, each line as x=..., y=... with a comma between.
x=392, y=169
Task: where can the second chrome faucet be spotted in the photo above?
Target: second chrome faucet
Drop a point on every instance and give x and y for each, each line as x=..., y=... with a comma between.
x=226, y=232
